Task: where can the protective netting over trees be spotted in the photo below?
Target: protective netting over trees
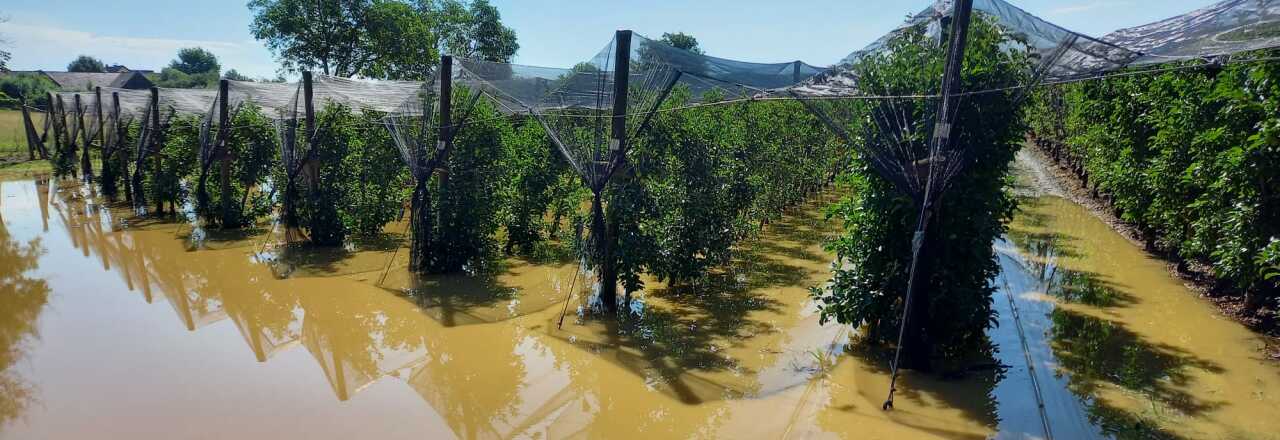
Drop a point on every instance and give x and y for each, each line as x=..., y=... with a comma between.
x=591, y=110
x=1225, y=28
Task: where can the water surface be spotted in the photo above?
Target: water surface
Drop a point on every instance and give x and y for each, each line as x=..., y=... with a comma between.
x=114, y=327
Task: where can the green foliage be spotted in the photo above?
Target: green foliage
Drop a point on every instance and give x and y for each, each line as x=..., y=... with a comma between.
x=700, y=180
x=322, y=178
x=236, y=76
x=376, y=179
x=1191, y=158
x=870, y=275
x=85, y=63
x=165, y=175
x=356, y=184
x=469, y=195
x=196, y=60
x=114, y=173
x=177, y=79
x=471, y=31
x=251, y=144
x=34, y=87
x=374, y=38
x=1269, y=260
x=681, y=40
x=543, y=183
x=63, y=156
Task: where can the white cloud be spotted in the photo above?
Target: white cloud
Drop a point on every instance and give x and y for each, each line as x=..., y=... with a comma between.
x=1084, y=7
x=51, y=48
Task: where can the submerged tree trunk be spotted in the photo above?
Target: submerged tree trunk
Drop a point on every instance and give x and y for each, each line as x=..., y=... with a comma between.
x=124, y=173
x=421, y=226
x=603, y=250
x=917, y=346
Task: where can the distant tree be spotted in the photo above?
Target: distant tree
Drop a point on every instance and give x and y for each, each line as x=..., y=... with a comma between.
x=372, y=38
x=34, y=87
x=195, y=60
x=681, y=40
x=177, y=79
x=471, y=31
x=85, y=63
x=585, y=67
x=236, y=76
x=4, y=54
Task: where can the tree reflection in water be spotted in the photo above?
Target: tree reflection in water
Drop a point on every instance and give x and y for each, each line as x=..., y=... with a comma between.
x=22, y=299
x=1100, y=357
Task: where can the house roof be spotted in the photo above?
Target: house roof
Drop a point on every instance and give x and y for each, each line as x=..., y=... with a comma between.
x=84, y=81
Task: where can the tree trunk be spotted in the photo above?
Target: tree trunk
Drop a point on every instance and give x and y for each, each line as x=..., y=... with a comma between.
x=917, y=346
x=604, y=256
x=421, y=226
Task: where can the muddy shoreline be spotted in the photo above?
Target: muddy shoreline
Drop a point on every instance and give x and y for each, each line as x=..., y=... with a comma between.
x=1048, y=177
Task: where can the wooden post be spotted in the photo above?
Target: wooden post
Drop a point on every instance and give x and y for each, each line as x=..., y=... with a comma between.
x=225, y=187
x=795, y=71
x=86, y=167
x=44, y=131
x=97, y=108
x=621, y=79
x=119, y=146
x=441, y=159
x=617, y=147
x=308, y=105
x=61, y=133
x=29, y=128
x=156, y=134
x=446, y=101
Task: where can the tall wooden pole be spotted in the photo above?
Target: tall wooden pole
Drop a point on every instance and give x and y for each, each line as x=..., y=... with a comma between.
x=308, y=105
x=86, y=167
x=225, y=152
x=309, y=113
x=63, y=135
x=909, y=334
x=156, y=134
x=29, y=128
x=120, y=146
x=441, y=159
x=97, y=110
x=621, y=80
x=446, y=101
x=617, y=148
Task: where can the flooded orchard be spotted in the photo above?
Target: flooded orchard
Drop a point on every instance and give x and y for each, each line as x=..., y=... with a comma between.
x=116, y=327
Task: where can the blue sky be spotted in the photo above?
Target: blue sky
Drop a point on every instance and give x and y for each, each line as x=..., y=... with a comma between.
x=46, y=34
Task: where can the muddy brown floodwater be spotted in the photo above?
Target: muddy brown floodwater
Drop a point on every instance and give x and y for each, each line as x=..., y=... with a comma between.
x=113, y=327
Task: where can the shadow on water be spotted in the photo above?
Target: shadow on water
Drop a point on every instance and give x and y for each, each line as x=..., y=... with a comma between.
x=675, y=344
x=199, y=238
x=692, y=340
x=969, y=389
x=1099, y=353
x=460, y=299
x=360, y=254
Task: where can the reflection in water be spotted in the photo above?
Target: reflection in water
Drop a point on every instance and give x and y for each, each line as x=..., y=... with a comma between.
x=1142, y=356
x=22, y=299
x=342, y=351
